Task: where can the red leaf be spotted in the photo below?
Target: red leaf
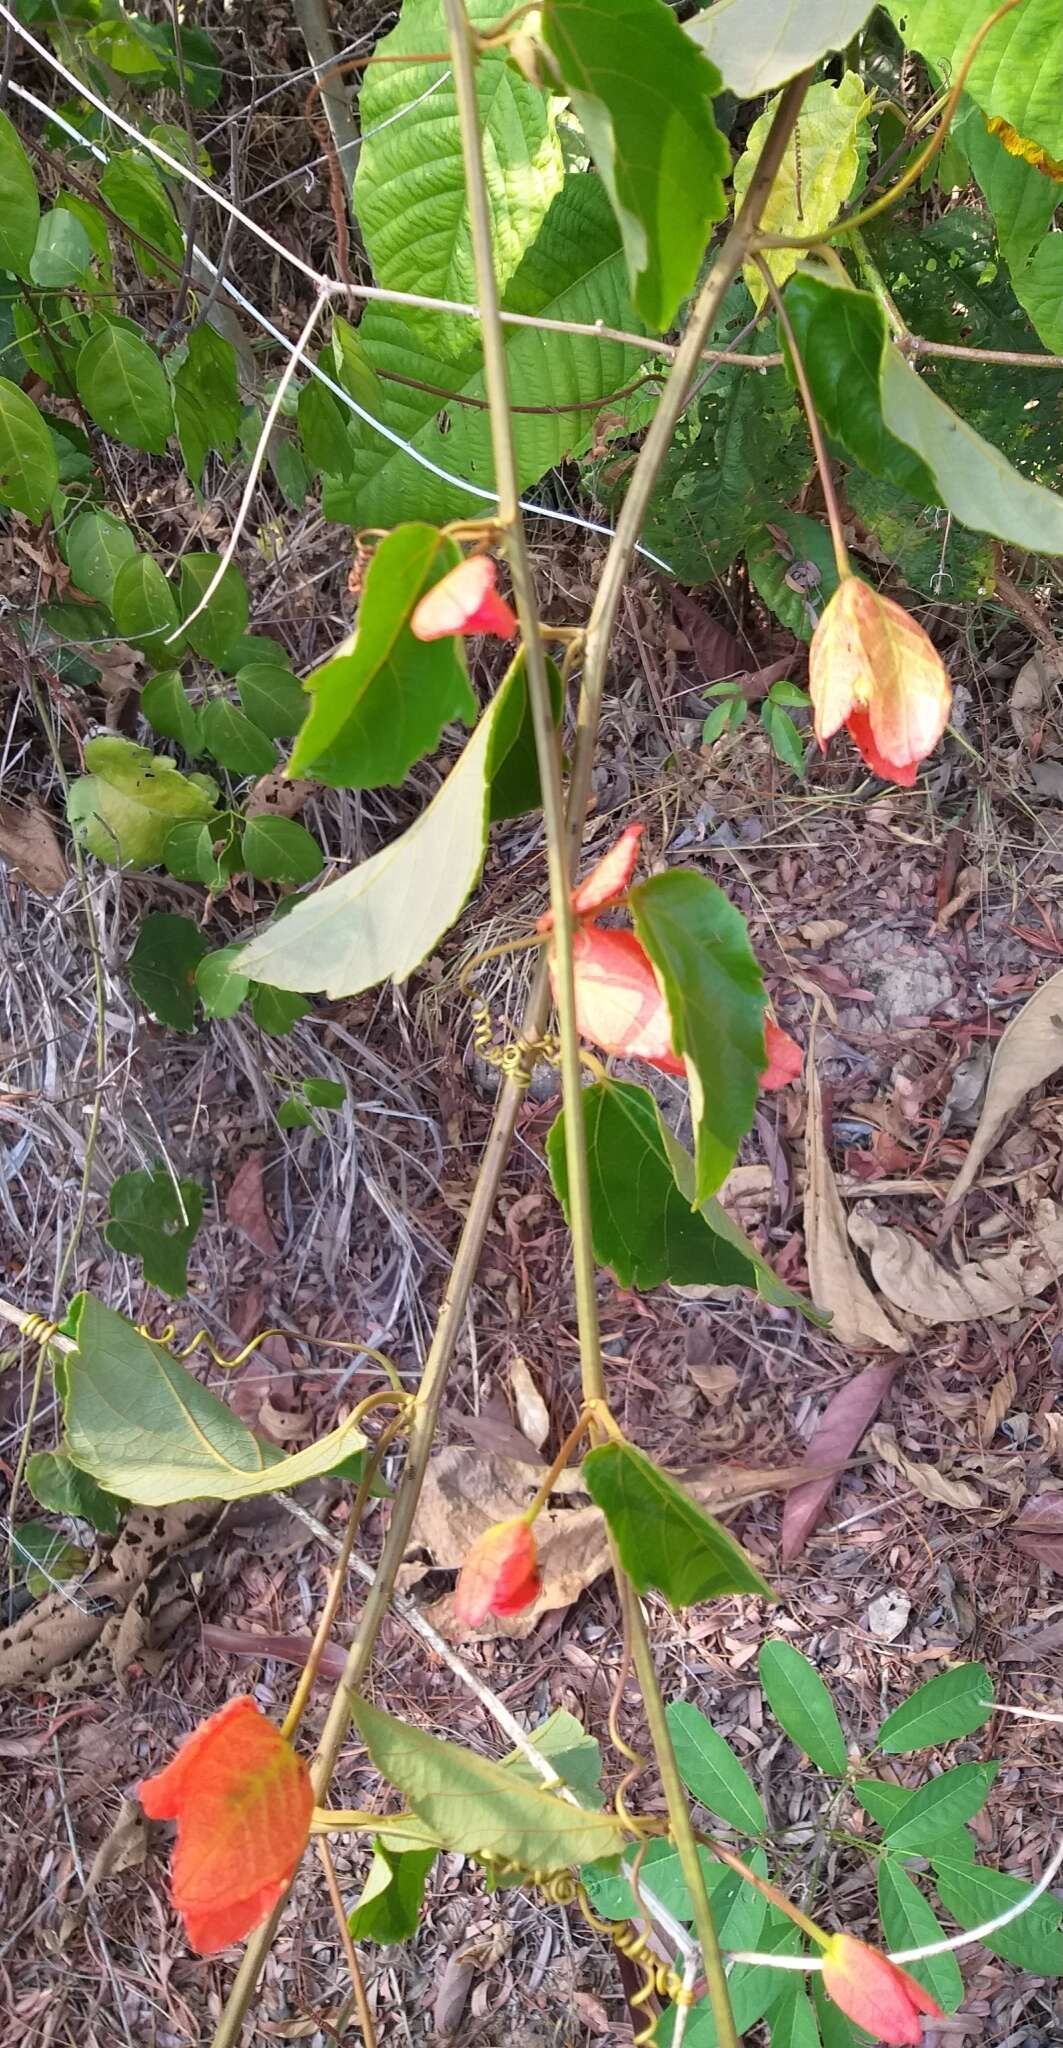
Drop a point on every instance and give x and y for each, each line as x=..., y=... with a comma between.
x=464, y=601
x=242, y=1800
x=618, y=1003
x=871, y=1990
x=245, y=1206
x=500, y=1574
x=843, y=1422
x=785, y=1058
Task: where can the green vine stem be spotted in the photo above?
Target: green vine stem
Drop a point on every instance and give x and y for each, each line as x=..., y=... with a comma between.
x=819, y=446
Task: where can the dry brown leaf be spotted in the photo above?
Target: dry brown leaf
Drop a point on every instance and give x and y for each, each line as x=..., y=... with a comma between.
x=714, y=1381
x=713, y=645
x=821, y=930
x=274, y=796
x=926, y=1479
x=859, y=1320
x=533, y=1415
x=29, y=845
x=124, y=1847
x=1038, y=1530
x=836, y=1435
x=1000, y=1399
x=1031, y=691
x=245, y=1206
x=914, y=1280
x=1030, y=1049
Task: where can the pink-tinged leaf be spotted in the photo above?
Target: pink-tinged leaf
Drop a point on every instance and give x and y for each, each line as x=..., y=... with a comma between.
x=843, y=1422
x=872, y=668
x=606, y=882
x=465, y=600
x=619, y=1006
x=240, y=1642
x=785, y=1057
x=500, y=1574
x=871, y=1990
x=1037, y=1530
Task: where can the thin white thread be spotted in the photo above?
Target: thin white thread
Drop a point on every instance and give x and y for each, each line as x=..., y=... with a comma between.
x=343, y=148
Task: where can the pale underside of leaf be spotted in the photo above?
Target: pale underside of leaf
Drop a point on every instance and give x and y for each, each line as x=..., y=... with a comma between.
x=1030, y=1050
x=758, y=48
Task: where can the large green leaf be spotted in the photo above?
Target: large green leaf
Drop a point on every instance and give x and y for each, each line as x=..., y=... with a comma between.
x=757, y=48
x=793, y=2023
x=643, y=92
x=935, y=554
x=803, y=1706
x=896, y=426
x=169, y=711
x=700, y=947
x=280, y=850
x=973, y=1895
x=20, y=208
x=885, y=1801
x=57, y=1484
x=816, y=175
x=573, y=271
x=791, y=564
x=381, y=920
x=272, y=697
x=225, y=619
x=154, y=1218
x=124, y=807
x=162, y=970
x=1018, y=72
x=711, y=1771
x=410, y=186
x=1019, y=196
x=954, y=1703
x=574, y=1754
x=97, y=544
x=145, y=609
x=920, y=1825
x=483, y=1808
x=642, y=1222
x=664, y=1539
x=382, y=700
x=62, y=253
x=229, y=735
x=29, y=468
x=206, y=399
x=1039, y=290
x=134, y=191
x=123, y=387
x=909, y=1921
x=141, y=1425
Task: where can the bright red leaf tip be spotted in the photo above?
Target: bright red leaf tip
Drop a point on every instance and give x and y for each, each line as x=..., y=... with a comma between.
x=464, y=601
x=500, y=1574
x=875, y=1993
x=872, y=669
x=785, y=1058
x=242, y=1800
x=618, y=1003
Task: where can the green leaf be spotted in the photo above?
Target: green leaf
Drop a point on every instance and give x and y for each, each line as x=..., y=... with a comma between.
x=885, y=1801
x=97, y=544
x=643, y=92
x=381, y=920
x=565, y=1743
x=62, y=253
x=165, y=704
x=44, y=1557
x=756, y=49
x=482, y=1808
x=123, y=387
x=220, y=988
x=225, y=619
x=218, y=852
x=140, y=1424
x=145, y=609
x=383, y=699
x=20, y=207
x=154, y=1219
x=515, y=770
x=1018, y=72
x=663, y=1537
x=803, y=1706
x=1039, y=290
x=29, y=469
x=206, y=399
x=727, y=716
x=409, y=189
x=134, y=191
x=908, y=1921
x=1019, y=196
x=973, y=1895
x=793, y=2023
x=711, y=1771
x=945, y=1803
x=784, y=736
x=934, y=554
x=896, y=426
x=574, y=271
x=700, y=948
x=130, y=799
x=162, y=968
x=293, y=1114
x=954, y=1703
x=818, y=171
x=390, y=1906
x=353, y=368
x=273, y=699
x=280, y=850
x=241, y=747
x=642, y=1223
x=275, y=1010
x=792, y=566
x=59, y=1486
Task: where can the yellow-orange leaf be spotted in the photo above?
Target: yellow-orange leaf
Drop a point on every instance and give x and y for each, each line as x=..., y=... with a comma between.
x=1020, y=145
x=874, y=670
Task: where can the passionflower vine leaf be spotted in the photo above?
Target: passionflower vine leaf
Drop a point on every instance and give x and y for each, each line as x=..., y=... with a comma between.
x=464, y=601
x=500, y=1574
x=873, y=669
x=875, y=1993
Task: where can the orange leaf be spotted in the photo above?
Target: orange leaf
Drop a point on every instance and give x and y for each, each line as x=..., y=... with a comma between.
x=618, y=1003
x=606, y=881
x=464, y=601
x=242, y=1800
x=785, y=1058
x=873, y=669
x=500, y=1574
x=875, y=1993
x=1021, y=145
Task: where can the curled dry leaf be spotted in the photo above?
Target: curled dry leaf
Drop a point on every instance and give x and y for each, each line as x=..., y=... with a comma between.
x=926, y=1479
x=1000, y=1399
x=28, y=845
x=914, y=1280
x=1037, y=1530
x=859, y=1322
x=836, y=1435
x=245, y=1206
x=1030, y=1050
x=533, y=1414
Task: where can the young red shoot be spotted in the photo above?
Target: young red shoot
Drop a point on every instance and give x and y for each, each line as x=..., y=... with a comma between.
x=464, y=601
